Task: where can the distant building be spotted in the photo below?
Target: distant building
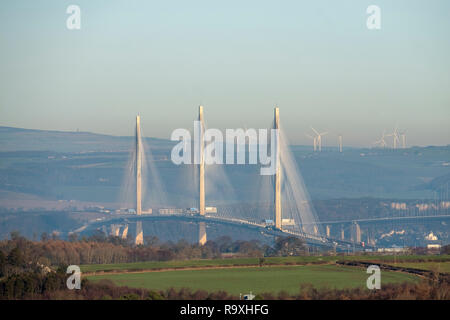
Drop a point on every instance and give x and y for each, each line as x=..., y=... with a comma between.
x=398, y=206
x=393, y=249
x=431, y=237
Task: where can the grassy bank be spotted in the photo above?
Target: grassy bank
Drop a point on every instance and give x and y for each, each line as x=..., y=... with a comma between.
x=256, y=279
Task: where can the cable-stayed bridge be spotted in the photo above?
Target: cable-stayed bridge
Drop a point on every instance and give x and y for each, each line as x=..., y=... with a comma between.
x=290, y=211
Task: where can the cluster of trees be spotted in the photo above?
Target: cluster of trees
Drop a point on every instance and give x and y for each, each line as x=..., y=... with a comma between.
x=99, y=249
x=27, y=268
x=34, y=285
x=106, y=290
x=58, y=252
x=427, y=289
x=21, y=278
x=288, y=246
x=25, y=271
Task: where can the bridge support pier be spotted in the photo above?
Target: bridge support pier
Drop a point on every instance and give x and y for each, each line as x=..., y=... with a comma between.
x=370, y=237
x=125, y=232
x=115, y=229
x=202, y=233
x=139, y=234
x=356, y=232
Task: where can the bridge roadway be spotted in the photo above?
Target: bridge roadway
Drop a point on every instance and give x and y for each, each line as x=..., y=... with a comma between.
x=388, y=219
x=314, y=240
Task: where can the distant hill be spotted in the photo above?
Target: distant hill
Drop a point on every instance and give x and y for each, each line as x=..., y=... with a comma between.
x=18, y=139
x=91, y=167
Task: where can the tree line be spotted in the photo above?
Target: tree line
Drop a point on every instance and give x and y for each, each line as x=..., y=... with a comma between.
x=102, y=249
x=37, y=270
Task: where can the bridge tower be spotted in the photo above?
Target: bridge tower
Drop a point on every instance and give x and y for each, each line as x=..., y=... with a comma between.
x=276, y=124
x=138, y=166
x=139, y=234
x=202, y=162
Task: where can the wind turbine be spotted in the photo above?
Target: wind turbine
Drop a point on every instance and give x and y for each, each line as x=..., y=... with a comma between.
x=319, y=138
x=340, y=142
x=395, y=137
x=382, y=142
x=403, y=135
x=314, y=141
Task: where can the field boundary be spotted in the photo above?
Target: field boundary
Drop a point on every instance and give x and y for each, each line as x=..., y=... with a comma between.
x=123, y=271
x=212, y=264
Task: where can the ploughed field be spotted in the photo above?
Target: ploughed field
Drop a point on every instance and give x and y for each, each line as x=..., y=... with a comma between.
x=246, y=274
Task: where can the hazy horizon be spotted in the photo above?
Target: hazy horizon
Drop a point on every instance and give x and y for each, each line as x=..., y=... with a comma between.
x=317, y=61
x=369, y=146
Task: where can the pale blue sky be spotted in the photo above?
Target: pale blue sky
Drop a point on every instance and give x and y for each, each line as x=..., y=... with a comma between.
x=315, y=59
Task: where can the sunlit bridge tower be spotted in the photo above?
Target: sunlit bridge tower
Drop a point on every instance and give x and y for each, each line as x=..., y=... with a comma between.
x=202, y=225
x=139, y=233
x=276, y=124
x=202, y=162
x=138, y=166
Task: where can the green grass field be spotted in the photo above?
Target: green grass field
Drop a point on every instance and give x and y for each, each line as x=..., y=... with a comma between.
x=256, y=279
x=255, y=261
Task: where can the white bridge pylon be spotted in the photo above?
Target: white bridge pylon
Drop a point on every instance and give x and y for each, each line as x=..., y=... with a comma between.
x=292, y=210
